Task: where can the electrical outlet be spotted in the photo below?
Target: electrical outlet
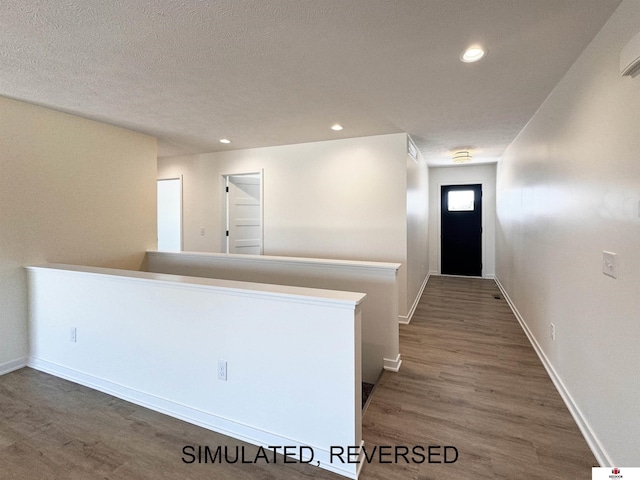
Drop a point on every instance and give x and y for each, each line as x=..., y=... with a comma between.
x=202, y=232
x=222, y=370
x=553, y=331
x=73, y=335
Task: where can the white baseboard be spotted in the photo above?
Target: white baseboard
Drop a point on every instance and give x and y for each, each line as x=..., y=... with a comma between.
x=393, y=365
x=13, y=365
x=488, y=276
x=406, y=319
x=191, y=415
x=587, y=432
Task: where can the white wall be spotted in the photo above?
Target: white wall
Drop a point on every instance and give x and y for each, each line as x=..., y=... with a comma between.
x=380, y=330
x=569, y=188
x=293, y=354
x=463, y=174
x=343, y=199
x=71, y=190
x=417, y=230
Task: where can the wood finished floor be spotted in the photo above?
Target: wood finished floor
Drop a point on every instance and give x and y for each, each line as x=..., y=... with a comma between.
x=469, y=379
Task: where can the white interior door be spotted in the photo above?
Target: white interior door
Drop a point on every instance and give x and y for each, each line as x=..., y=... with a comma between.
x=244, y=214
x=170, y=214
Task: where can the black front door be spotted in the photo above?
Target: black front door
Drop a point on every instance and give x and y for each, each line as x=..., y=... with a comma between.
x=461, y=230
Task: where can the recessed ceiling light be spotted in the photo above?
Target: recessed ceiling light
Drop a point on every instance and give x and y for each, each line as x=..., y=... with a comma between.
x=337, y=127
x=225, y=140
x=473, y=54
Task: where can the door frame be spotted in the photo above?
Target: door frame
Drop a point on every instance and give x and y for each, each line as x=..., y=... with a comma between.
x=484, y=228
x=224, y=207
x=181, y=179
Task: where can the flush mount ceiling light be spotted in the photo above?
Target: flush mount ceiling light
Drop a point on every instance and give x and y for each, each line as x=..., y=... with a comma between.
x=336, y=127
x=462, y=156
x=225, y=140
x=473, y=54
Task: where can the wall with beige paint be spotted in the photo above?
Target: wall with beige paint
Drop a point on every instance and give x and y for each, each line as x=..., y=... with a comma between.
x=417, y=230
x=343, y=199
x=567, y=189
x=71, y=190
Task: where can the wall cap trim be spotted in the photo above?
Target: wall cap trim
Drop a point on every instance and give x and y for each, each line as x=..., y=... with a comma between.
x=285, y=293
x=381, y=267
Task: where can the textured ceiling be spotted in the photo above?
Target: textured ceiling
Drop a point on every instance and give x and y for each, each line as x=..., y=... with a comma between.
x=274, y=72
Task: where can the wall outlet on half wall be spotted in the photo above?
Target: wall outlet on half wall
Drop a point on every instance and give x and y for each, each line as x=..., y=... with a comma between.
x=553, y=331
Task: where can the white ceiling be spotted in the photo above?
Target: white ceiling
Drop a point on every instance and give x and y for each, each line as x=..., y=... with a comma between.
x=275, y=72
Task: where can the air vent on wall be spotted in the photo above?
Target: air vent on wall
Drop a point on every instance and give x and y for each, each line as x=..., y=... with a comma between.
x=630, y=57
x=412, y=149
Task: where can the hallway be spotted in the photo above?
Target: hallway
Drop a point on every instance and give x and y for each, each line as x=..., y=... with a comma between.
x=469, y=380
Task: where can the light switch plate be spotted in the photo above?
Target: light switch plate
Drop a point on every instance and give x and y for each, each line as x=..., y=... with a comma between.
x=609, y=264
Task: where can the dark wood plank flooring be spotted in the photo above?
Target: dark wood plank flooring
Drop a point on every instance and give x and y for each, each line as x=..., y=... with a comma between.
x=469, y=379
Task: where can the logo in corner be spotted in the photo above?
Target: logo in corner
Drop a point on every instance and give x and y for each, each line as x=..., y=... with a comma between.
x=615, y=471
